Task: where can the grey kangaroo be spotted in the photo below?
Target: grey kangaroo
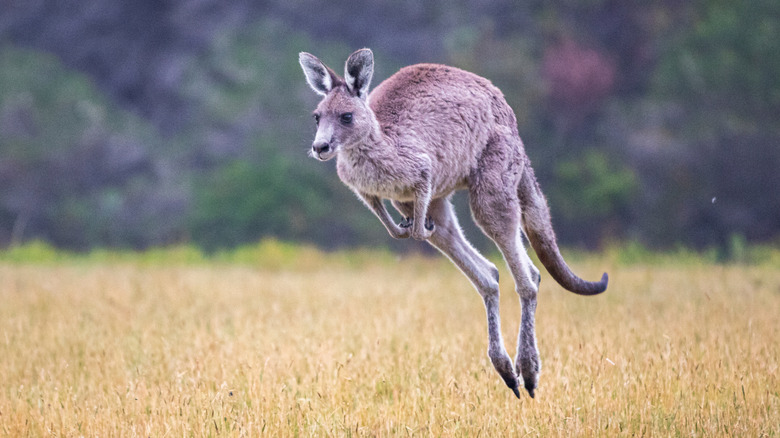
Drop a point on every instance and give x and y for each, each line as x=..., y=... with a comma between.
x=422, y=134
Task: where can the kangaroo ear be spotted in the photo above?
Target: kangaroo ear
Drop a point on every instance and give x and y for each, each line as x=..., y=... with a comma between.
x=358, y=72
x=319, y=76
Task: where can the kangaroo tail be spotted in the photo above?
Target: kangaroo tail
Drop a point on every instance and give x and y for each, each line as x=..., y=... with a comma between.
x=538, y=228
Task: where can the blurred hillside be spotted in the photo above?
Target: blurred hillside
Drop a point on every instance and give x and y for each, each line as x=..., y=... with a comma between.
x=135, y=124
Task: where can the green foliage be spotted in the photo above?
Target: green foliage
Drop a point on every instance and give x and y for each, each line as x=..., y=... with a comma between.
x=253, y=73
x=729, y=59
x=244, y=201
x=267, y=254
x=72, y=162
x=260, y=191
x=592, y=192
x=34, y=252
x=721, y=78
x=41, y=104
x=593, y=187
x=690, y=116
x=273, y=254
x=739, y=252
x=634, y=253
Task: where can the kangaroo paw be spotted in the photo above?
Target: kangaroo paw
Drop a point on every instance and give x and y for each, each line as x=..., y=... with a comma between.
x=401, y=233
x=406, y=222
x=429, y=225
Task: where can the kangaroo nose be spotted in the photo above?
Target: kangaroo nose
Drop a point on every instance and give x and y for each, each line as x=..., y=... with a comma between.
x=319, y=148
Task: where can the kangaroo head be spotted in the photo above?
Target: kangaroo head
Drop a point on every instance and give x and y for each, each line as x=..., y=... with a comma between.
x=343, y=116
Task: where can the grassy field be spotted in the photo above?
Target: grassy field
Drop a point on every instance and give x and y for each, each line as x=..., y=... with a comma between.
x=297, y=342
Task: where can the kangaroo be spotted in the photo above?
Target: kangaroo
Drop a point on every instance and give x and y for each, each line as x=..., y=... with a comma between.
x=419, y=136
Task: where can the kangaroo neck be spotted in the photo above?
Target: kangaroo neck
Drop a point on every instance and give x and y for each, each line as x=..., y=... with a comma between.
x=374, y=152
x=372, y=165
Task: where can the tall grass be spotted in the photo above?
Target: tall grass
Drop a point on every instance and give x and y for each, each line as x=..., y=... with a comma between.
x=282, y=341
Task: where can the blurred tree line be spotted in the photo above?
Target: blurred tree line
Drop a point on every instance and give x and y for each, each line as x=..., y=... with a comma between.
x=134, y=124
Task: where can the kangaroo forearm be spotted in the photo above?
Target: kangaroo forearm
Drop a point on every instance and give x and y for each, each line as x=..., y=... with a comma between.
x=422, y=198
x=376, y=205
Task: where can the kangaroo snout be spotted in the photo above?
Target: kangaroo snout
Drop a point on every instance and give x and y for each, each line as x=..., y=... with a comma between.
x=322, y=150
x=319, y=148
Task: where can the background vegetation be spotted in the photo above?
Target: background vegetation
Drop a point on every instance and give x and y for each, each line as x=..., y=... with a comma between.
x=138, y=124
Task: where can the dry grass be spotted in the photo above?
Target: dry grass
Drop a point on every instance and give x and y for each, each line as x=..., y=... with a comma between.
x=381, y=348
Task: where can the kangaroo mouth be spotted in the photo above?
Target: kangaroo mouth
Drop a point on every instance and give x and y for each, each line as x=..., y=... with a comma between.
x=323, y=154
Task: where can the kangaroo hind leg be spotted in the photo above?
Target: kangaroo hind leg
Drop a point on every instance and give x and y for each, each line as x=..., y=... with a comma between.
x=449, y=239
x=496, y=209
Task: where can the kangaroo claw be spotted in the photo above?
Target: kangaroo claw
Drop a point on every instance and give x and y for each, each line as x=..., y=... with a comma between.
x=530, y=391
x=406, y=222
x=429, y=225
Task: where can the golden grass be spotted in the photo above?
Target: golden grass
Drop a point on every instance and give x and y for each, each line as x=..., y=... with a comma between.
x=385, y=348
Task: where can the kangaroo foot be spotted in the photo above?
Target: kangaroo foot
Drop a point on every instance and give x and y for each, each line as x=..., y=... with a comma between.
x=503, y=366
x=528, y=368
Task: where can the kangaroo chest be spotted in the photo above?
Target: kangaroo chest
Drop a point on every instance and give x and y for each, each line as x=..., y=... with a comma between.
x=379, y=177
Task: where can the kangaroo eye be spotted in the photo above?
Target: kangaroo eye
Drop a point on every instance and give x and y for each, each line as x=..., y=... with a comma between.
x=346, y=118
x=317, y=119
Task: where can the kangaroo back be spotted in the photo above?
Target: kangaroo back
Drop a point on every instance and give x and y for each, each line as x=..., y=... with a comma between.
x=444, y=112
x=538, y=227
